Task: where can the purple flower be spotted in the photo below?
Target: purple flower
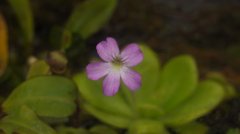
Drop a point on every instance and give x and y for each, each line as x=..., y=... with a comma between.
x=116, y=66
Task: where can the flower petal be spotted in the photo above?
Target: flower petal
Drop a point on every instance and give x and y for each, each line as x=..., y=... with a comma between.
x=108, y=49
x=97, y=70
x=111, y=83
x=131, y=78
x=132, y=55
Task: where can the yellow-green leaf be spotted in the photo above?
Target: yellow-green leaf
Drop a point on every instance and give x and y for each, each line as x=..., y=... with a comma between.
x=48, y=96
x=207, y=96
x=92, y=92
x=88, y=17
x=147, y=127
x=178, y=80
x=24, y=121
x=192, y=128
x=38, y=68
x=24, y=14
x=116, y=120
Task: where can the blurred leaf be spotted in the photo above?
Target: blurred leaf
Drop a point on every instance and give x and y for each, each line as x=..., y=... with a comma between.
x=99, y=129
x=232, y=52
x=229, y=89
x=192, y=128
x=178, y=80
x=55, y=35
x=71, y=130
x=149, y=69
x=38, y=68
x=147, y=127
x=88, y=17
x=48, y=96
x=24, y=14
x=3, y=45
x=68, y=39
x=233, y=131
x=151, y=111
x=206, y=97
x=92, y=92
x=114, y=119
x=102, y=129
x=24, y=121
x=54, y=120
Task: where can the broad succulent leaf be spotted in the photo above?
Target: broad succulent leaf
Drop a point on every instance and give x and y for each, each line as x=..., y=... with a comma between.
x=92, y=92
x=147, y=127
x=48, y=96
x=178, y=80
x=88, y=17
x=207, y=96
x=24, y=121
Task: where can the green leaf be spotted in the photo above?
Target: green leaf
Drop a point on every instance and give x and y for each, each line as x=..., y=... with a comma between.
x=38, y=68
x=102, y=129
x=149, y=110
x=54, y=120
x=99, y=129
x=233, y=131
x=149, y=69
x=24, y=121
x=71, y=130
x=192, y=128
x=229, y=89
x=24, y=14
x=92, y=92
x=48, y=96
x=113, y=110
x=178, y=80
x=88, y=17
x=112, y=119
x=206, y=97
x=147, y=127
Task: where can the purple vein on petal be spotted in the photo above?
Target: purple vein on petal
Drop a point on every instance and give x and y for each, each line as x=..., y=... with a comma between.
x=97, y=70
x=111, y=83
x=132, y=55
x=131, y=78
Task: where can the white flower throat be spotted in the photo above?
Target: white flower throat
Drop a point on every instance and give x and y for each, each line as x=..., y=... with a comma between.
x=117, y=63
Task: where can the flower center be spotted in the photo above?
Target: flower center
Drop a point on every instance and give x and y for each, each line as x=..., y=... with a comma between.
x=117, y=63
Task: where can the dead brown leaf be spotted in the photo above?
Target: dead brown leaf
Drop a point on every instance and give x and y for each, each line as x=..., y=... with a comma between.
x=3, y=45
